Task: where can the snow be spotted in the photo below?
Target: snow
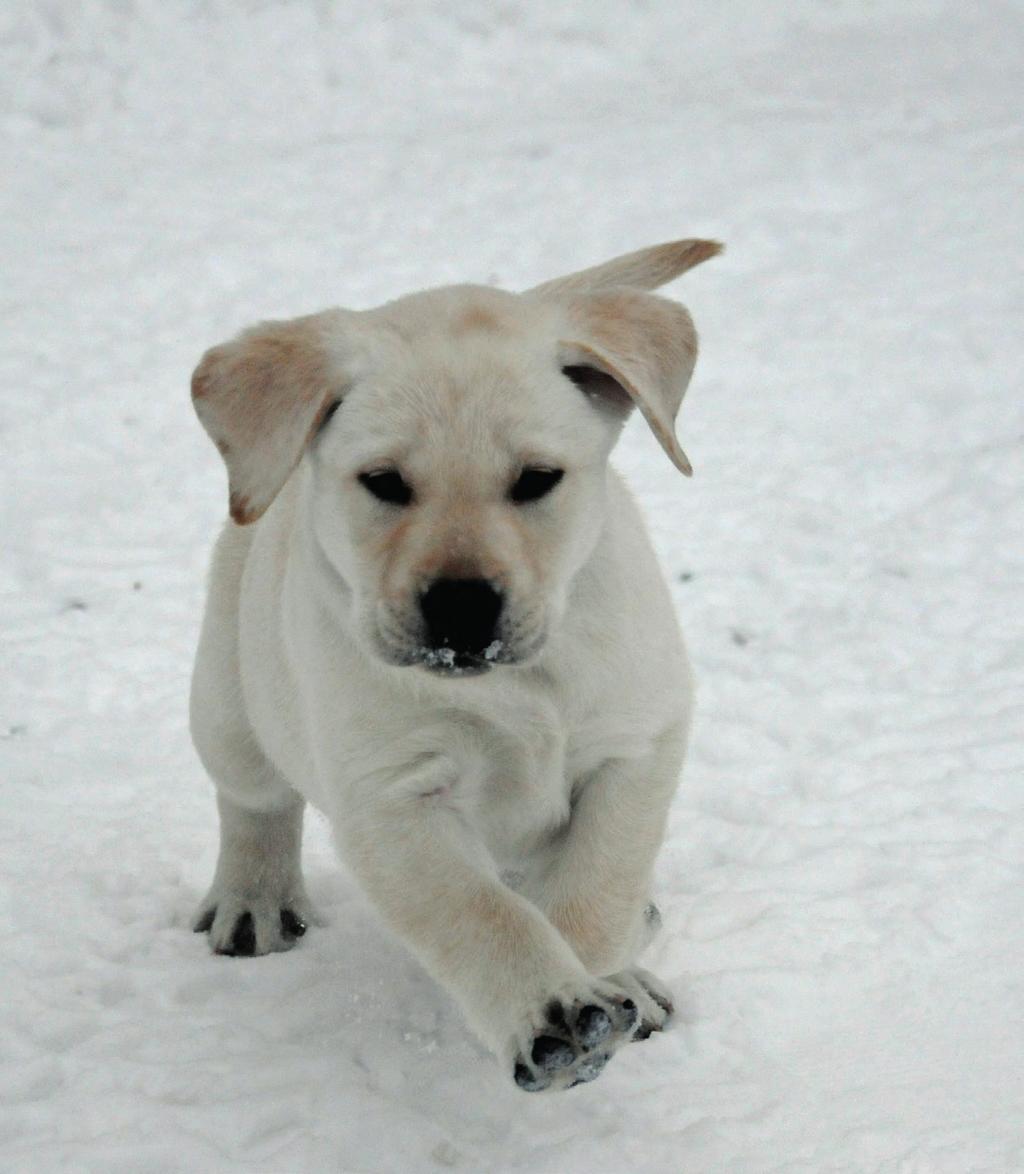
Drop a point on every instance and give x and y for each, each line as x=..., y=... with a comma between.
x=842, y=881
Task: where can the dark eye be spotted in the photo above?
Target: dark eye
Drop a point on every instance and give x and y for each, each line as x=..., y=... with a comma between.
x=387, y=485
x=535, y=483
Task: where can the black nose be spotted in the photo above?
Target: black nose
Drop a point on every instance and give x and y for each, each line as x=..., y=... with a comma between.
x=461, y=614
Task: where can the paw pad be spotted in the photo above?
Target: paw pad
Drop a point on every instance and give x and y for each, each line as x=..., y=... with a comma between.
x=592, y=1026
x=204, y=922
x=529, y=1081
x=579, y=1037
x=549, y=1053
x=243, y=939
x=292, y=926
x=591, y=1069
x=243, y=933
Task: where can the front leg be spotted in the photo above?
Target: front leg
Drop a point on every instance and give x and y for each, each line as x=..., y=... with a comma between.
x=257, y=902
x=596, y=889
x=520, y=985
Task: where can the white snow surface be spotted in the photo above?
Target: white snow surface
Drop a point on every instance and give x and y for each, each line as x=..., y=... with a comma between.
x=843, y=880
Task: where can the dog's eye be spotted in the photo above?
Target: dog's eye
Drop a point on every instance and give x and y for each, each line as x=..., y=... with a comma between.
x=387, y=485
x=532, y=484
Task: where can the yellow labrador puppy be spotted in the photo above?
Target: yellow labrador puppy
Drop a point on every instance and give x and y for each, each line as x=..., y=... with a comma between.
x=435, y=615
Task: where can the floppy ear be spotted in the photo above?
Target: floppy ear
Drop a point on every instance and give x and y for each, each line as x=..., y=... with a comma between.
x=261, y=397
x=644, y=344
x=645, y=269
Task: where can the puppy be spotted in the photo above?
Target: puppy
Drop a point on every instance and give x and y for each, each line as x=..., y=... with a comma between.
x=435, y=614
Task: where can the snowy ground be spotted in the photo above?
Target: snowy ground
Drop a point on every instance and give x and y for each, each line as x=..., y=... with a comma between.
x=842, y=886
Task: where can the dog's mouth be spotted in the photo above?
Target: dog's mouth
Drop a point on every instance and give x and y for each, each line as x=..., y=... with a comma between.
x=405, y=649
x=456, y=662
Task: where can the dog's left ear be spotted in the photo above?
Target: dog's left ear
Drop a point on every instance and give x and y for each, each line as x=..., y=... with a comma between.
x=645, y=345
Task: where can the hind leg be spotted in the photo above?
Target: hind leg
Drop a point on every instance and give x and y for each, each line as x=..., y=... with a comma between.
x=257, y=902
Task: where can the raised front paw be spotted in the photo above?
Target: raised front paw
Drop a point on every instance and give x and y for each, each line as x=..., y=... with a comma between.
x=244, y=926
x=571, y=1038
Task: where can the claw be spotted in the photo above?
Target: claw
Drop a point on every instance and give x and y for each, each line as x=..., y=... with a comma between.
x=663, y=1001
x=665, y=1004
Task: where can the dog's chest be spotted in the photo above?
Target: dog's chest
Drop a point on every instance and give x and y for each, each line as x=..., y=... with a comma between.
x=522, y=790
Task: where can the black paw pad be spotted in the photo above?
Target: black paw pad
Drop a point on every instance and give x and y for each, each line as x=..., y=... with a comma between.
x=550, y=1053
x=243, y=940
x=591, y=1069
x=632, y=1014
x=292, y=926
x=592, y=1026
x=555, y=1013
x=528, y=1081
x=204, y=922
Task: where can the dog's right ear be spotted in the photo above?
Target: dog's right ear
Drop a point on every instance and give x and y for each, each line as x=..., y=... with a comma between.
x=262, y=397
x=640, y=347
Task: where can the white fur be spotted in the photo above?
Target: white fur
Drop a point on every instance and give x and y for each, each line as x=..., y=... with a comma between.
x=504, y=824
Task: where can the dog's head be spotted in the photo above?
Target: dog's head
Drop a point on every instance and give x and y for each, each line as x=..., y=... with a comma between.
x=457, y=443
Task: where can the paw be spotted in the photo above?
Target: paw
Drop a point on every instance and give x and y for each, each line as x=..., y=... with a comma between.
x=244, y=926
x=652, y=998
x=570, y=1039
